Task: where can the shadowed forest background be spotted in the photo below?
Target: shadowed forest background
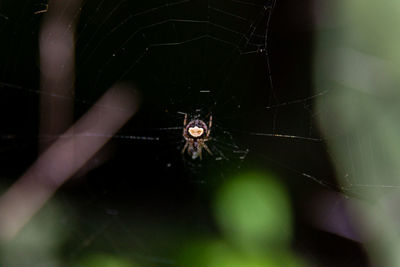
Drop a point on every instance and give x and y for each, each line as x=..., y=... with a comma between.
x=277, y=189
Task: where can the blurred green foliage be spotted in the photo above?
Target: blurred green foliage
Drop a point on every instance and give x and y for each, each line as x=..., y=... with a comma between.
x=219, y=253
x=104, y=260
x=253, y=210
x=39, y=242
x=357, y=60
x=254, y=215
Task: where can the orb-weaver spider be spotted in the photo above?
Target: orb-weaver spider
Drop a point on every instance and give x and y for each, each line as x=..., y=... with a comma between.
x=196, y=133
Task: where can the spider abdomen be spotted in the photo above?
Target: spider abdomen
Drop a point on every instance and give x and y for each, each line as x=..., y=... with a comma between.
x=196, y=133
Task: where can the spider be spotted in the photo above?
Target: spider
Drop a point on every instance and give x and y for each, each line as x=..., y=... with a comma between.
x=196, y=133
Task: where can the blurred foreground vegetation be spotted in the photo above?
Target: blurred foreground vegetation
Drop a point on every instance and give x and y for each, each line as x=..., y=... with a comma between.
x=252, y=212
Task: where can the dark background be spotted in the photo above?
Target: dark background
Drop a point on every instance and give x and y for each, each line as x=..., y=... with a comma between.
x=146, y=191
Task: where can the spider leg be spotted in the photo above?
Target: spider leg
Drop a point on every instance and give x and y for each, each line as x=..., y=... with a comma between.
x=184, y=123
x=200, y=151
x=209, y=127
x=206, y=148
x=185, y=120
x=185, y=134
x=184, y=148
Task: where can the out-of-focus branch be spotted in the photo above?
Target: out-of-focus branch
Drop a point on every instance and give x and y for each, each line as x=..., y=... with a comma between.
x=64, y=158
x=57, y=49
x=72, y=149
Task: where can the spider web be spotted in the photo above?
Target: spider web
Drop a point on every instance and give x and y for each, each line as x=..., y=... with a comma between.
x=189, y=52
x=188, y=56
